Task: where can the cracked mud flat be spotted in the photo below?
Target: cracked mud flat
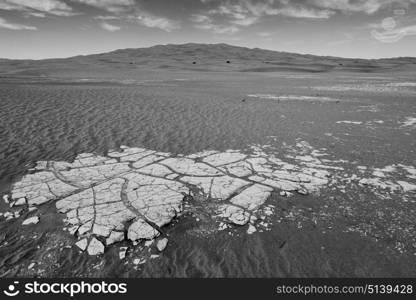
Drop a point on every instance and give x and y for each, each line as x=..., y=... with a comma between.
x=138, y=191
x=131, y=194
x=312, y=188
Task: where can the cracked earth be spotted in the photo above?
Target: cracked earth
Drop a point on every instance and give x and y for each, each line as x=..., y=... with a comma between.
x=133, y=192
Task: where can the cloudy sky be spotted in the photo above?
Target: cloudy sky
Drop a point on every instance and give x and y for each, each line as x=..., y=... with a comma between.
x=350, y=28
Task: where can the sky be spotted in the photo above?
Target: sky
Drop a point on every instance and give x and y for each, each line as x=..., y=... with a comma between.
x=36, y=29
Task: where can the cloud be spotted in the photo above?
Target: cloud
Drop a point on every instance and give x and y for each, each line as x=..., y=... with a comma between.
x=152, y=21
x=106, y=18
x=38, y=8
x=392, y=29
x=394, y=35
x=219, y=29
x=241, y=10
x=114, y=6
x=264, y=34
x=231, y=15
x=244, y=13
x=13, y=26
x=37, y=14
x=304, y=12
x=109, y=27
x=207, y=23
x=128, y=10
x=245, y=21
x=201, y=18
x=364, y=6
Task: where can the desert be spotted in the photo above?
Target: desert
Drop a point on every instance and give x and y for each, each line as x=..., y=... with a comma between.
x=207, y=160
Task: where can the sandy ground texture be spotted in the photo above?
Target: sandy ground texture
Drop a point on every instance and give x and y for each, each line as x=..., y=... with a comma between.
x=175, y=172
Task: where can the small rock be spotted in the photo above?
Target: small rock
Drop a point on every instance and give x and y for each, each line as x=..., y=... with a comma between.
x=406, y=186
x=82, y=244
x=251, y=229
x=268, y=211
x=32, y=220
x=140, y=229
x=31, y=266
x=236, y=215
x=264, y=224
x=122, y=253
x=286, y=194
x=73, y=229
x=139, y=261
x=101, y=230
x=8, y=215
x=161, y=244
x=222, y=226
x=95, y=247
x=115, y=236
x=6, y=198
x=153, y=256
x=303, y=192
x=20, y=201
x=148, y=243
x=32, y=208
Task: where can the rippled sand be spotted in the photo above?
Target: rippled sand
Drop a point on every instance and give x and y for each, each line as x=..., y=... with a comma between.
x=351, y=229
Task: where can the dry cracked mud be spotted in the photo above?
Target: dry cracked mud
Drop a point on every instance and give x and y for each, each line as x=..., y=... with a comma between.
x=133, y=192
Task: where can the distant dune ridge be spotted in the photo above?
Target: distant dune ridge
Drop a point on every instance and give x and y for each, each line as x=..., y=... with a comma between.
x=206, y=57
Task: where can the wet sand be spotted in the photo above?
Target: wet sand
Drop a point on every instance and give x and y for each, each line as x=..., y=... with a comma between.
x=349, y=230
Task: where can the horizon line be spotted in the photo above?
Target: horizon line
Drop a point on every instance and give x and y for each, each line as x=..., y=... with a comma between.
x=182, y=44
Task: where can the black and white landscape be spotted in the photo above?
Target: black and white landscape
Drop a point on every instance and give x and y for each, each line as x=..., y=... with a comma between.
x=207, y=159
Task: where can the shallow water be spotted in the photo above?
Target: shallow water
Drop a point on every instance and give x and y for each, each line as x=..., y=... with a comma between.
x=58, y=121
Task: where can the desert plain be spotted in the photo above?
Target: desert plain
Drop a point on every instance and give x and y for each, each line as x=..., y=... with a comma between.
x=207, y=161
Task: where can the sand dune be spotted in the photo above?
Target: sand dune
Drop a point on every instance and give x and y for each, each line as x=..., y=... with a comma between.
x=204, y=57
